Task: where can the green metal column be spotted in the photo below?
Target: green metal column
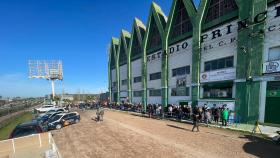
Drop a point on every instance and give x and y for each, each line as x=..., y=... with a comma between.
x=118, y=79
x=196, y=55
x=129, y=79
x=164, y=75
x=144, y=80
x=249, y=59
x=109, y=77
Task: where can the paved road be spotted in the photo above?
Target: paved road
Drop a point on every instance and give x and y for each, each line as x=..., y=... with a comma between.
x=124, y=135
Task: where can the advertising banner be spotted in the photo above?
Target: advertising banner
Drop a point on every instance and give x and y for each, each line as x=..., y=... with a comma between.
x=219, y=75
x=271, y=67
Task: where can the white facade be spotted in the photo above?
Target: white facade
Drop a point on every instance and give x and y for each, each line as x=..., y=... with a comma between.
x=219, y=42
x=271, y=41
x=153, y=66
x=219, y=47
x=136, y=71
x=123, y=76
x=181, y=55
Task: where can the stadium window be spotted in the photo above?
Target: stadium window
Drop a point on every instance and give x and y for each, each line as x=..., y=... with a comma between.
x=218, y=64
x=154, y=37
x=123, y=54
x=181, y=71
x=124, y=82
x=182, y=23
x=155, y=92
x=137, y=93
x=274, y=54
x=224, y=91
x=155, y=76
x=137, y=79
x=219, y=8
x=136, y=47
x=180, y=91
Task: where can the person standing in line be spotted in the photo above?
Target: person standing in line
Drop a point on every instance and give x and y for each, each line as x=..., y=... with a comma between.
x=195, y=119
x=207, y=117
x=216, y=114
x=224, y=117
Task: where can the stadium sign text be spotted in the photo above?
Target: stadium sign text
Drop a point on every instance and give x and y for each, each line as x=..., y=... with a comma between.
x=209, y=39
x=177, y=48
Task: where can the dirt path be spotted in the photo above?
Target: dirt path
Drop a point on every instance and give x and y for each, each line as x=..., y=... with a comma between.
x=124, y=135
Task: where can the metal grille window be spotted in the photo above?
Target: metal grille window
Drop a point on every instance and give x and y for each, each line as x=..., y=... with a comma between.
x=218, y=64
x=154, y=37
x=137, y=93
x=182, y=23
x=123, y=58
x=220, y=8
x=181, y=71
x=180, y=91
x=114, y=84
x=136, y=47
x=155, y=92
x=124, y=82
x=155, y=76
x=137, y=79
x=112, y=58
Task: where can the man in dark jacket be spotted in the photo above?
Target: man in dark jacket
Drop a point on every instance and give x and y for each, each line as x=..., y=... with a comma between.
x=195, y=119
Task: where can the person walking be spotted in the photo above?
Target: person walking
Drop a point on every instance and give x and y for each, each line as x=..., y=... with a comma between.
x=195, y=119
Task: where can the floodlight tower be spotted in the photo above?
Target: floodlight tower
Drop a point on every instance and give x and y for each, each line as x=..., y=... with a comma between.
x=49, y=70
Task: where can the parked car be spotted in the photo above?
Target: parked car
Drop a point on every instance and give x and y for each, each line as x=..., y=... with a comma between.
x=44, y=118
x=63, y=119
x=28, y=128
x=52, y=111
x=45, y=108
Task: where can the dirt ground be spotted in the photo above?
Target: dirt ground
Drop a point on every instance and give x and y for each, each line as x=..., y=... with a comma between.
x=123, y=135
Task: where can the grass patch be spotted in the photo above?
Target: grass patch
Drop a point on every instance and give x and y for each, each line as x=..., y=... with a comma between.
x=6, y=130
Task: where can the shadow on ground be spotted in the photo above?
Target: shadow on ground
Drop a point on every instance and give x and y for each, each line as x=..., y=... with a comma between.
x=260, y=147
x=173, y=126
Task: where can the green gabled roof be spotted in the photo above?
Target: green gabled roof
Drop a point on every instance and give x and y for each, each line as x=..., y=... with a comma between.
x=114, y=45
x=125, y=33
x=157, y=16
x=158, y=10
x=113, y=51
x=191, y=11
x=139, y=23
x=115, y=40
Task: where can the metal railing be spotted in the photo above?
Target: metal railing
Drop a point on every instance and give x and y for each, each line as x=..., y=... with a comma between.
x=36, y=145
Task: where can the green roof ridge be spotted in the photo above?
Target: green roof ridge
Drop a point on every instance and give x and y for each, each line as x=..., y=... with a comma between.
x=125, y=33
x=139, y=23
x=158, y=10
x=115, y=40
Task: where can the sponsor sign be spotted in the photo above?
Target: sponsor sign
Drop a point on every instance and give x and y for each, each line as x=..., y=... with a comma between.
x=210, y=104
x=219, y=75
x=271, y=67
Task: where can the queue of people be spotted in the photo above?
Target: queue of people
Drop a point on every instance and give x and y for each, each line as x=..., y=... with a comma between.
x=204, y=114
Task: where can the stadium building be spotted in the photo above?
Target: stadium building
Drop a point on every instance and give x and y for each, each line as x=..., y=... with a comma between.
x=222, y=52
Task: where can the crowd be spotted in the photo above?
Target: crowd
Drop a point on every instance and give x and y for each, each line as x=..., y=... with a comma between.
x=203, y=114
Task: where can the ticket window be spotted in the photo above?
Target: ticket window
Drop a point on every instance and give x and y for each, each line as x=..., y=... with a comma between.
x=218, y=91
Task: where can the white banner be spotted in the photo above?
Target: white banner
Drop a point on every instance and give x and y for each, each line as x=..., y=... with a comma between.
x=210, y=104
x=271, y=67
x=218, y=75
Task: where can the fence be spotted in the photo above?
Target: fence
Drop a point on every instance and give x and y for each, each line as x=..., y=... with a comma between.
x=37, y=145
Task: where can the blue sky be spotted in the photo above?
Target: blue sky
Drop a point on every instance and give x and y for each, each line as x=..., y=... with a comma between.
x=75, y=31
